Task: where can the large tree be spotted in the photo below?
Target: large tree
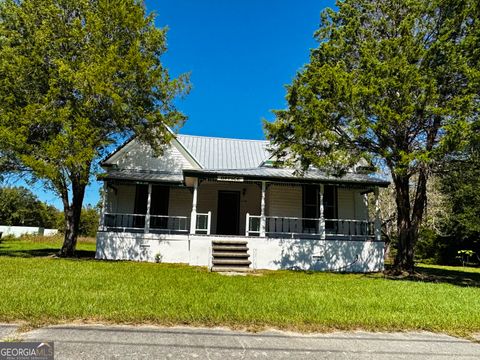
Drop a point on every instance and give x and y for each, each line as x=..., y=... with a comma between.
x=75, y=77
x=394, y=81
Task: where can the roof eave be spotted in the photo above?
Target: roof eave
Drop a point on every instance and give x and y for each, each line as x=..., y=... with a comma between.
x=379, y=183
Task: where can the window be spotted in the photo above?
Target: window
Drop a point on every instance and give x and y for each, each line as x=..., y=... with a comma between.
x=311, y=208
x=140, y=207
x=330, y=205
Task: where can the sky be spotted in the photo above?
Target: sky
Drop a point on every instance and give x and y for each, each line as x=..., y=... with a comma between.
x=240, y=55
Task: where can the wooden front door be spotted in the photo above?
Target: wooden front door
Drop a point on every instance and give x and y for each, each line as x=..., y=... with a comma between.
x=228, y=213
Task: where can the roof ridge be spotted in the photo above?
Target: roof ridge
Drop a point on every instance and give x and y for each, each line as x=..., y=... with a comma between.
x=222, y=138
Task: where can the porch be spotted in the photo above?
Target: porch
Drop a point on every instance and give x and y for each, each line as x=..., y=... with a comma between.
x=252, y=209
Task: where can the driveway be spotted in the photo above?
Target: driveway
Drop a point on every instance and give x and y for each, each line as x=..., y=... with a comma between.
x=142, y=342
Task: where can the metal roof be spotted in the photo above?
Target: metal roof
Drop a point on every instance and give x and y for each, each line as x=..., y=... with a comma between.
x=236, y=158
x=223, y=153
x=289, y=175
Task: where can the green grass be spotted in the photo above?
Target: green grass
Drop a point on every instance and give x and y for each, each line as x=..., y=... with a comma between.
x=38, y=288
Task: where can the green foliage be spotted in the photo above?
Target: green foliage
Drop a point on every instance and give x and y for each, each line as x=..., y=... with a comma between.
x=75, y=77
x=460, y=180
x=459, y=183
x=20, y=207
x=89, y=222
x=386, y=77
x=427, y=249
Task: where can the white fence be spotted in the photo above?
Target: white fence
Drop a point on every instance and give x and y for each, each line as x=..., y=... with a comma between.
x=22, y=230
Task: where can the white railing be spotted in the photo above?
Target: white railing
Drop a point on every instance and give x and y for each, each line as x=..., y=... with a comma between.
x=150, y=223
x=203, y=223
x=124, y=221
x=170, y=223
x=294, y=226
x=347, y=227
x=253, y=225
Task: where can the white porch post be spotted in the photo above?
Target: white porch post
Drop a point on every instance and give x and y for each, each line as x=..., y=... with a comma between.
x=378, y=228
x=321, y=212
x=262, y=210
x=193, y=218
x=147, y=216
x=104, y=204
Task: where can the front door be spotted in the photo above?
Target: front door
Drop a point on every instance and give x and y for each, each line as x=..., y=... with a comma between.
x=228, y=213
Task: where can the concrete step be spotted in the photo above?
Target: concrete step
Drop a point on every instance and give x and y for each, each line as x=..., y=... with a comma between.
x=229, y=242
x=217, y=254
x=235, y=262
x=230, y=269
x=229, y=248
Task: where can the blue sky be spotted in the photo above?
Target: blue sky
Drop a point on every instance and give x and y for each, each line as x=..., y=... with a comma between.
x=240, y=54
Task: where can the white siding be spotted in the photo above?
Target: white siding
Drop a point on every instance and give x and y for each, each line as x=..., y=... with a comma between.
x=138, y=156
x=180, y=202
x=122, y=200
x=284, y=201
x=361, y=209
x=346, y=203
x=351, y=204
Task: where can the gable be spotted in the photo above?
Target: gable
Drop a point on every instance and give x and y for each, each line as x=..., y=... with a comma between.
x=138, y=156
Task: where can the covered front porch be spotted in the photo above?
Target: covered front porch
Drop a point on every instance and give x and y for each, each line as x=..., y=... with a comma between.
x=231, y=206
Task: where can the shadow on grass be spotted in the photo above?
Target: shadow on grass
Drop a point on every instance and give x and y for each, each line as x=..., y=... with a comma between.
x=439, y=275
x=47, y=252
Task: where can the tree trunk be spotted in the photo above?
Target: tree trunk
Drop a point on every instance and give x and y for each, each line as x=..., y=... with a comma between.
x=72, y=220
x=408, y=219
x=402, y=198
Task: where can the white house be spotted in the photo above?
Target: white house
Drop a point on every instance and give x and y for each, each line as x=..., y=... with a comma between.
x=220, y=203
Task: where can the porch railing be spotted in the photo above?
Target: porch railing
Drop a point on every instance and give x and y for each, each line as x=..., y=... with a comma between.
x=158, y=223
x=292, y=226
x=203, y=223
x=344, y=227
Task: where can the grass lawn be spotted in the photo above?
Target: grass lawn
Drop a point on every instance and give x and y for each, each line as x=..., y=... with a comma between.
x=38, y=288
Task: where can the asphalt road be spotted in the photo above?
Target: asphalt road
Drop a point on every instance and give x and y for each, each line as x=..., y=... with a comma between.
x=141, y=342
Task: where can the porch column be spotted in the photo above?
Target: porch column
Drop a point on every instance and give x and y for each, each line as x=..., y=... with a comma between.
x=104, y=204
x=147, y=216
x=193, y=216
x=262, y=210
x=321, y=212
x=378, y=226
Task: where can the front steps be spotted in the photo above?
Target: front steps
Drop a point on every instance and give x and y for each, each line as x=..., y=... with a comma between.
x=230, y=256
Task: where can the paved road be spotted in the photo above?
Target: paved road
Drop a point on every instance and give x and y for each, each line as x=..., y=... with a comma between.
x=130, y=342
x=7, y=330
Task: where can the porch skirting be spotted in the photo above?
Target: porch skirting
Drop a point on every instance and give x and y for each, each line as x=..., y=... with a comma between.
x=334, y=254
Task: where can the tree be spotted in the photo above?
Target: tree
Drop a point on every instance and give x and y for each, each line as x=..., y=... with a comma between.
x=77, y=76
x=20, y=207
x=395, y=82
